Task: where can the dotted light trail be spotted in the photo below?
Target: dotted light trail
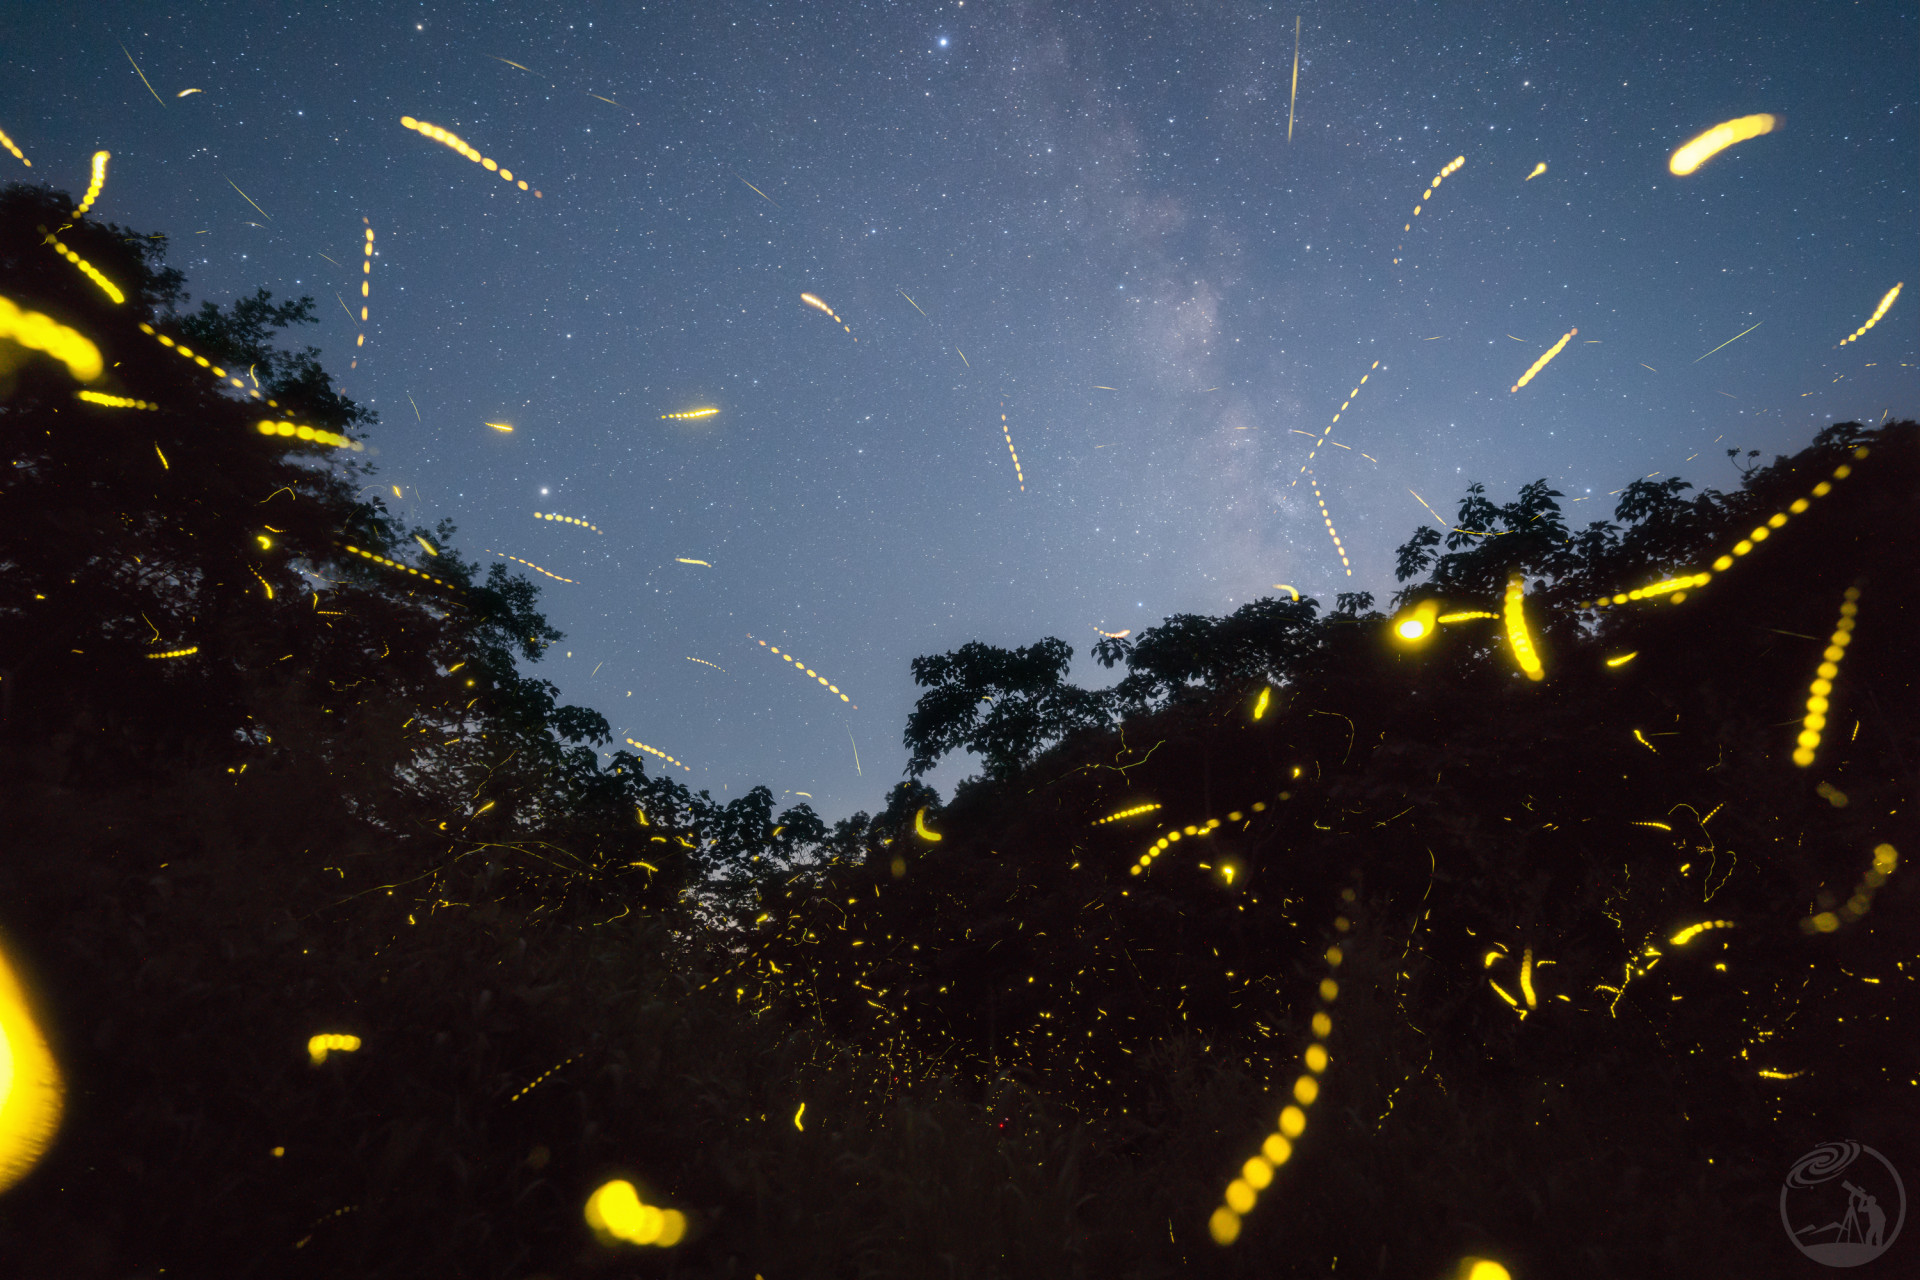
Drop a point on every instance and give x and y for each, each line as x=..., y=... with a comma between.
x=1717, y=139
x=458, y=144
x=716, y=666
x=320, y=1046
x=1541, y=363
x=1336, y=417
x=95, y=181
x=187, y=353
x=19, y=155
x=809, y=671
x=88, y=270
x=32, y=1094
x=1427, y=195
x=106, y=401
x=691, y=413
x=187, y=652
x=366, y=284
x=1823, y=677
x=1538, y=169
x=1517, y=635
x=1256, y=1175
x=818, y=305
x=655, y=751
x=1116, y=635
x=314, y=434
x=537, y=1080
x=1674, y=588
x=1017, y=473
x=1693, y=931
x=530, y=564
x=1878, y=311
x=42, y=333
x=1125, y=813
x=396, y=565
x=1337, y=546
x=1885, y=859
x=551, y=515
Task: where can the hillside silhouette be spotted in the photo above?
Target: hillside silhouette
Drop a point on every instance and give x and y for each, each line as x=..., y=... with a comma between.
x=1036, y=1029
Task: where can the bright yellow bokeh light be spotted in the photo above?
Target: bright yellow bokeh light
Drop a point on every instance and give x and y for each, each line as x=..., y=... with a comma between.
x=1224, y=1225
x=1305, y=1090
x=1717, y=139
x=1277, y=1150
x=920, y=826
x=32, y=1094
x=1322, y=1025
x=1316, y=1058
x=1483, y=1269
x=1417, y=623
x=616, y=1212
x=37, y=332
x=1258, y=1173
x=319, y=1046
x=1293, y=1122
x=1240, y=1196
x=1517, y=634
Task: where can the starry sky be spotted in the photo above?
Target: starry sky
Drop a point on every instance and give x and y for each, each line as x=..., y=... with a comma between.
x=1087, y=218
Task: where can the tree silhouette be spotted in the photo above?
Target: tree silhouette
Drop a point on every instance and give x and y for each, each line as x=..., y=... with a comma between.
x=1028, y=705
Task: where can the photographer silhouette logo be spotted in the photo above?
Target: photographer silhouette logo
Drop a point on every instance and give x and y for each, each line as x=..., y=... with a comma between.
x=1847, y=1210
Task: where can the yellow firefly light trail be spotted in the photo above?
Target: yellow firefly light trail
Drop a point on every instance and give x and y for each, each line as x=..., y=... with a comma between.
x=685, y=560
x=37, y=332
x=1538, y=169
x=502, y=427
x=691, y=413
x=459, y=145
x=32, y=1094
x=88, y=270
x=757, y=191
x=1517, y=634
x=1541, y=363
x=920, y=827
x=106, y=401
x=366, y=280
x=818, y=305
x=97, y=180
x=1878, y=311
x=1427, y=195
x=1017, y=473
x=1717, y=139
x=655, y=751
x=18, y=154
x=143, y=77
x=531, y=565
x=913, y=304
x=809, y=672
x=249, y=199
x=1351, y=395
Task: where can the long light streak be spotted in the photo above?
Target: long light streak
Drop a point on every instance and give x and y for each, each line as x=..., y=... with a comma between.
x=316, y=435
x=398, y=567
x=18, y=154
x=655, y=751
x=1703, y=148
x=44, y=334
x=1518, y=637
x=809, y=672
x=1735, y=338
x=691, y=413
x=1427, y=195
x=1017, y=473
x=459, y=145
x=95, y=181
x=1336, y=417
x=106, y=401
x=818, y=305
x=1823, y=678
x=1294, y=92
x=143, y=77
x=88, y=270
x=530, y=564
x=554, y=515
x=1541, y=363
x=1878, y=311
x=366, y=284
x=1337, y=545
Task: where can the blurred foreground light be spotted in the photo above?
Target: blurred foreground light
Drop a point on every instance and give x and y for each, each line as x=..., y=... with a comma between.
x=41, y=333
x=616, y=1212
x=320, y=1046
x=31, y=1091
x=1416, y=624
x=1711, y=143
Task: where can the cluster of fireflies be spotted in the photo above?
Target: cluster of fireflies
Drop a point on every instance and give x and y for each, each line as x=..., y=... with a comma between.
x=43, y=333
x=691, y=413
x=366, y=287
x=616, y=1213
x=32, y=1094
x=18, y=154
x=1885, y=859
x=551, y=515
x=106, y=401
x=88, y=270
x=1538, y=169
x=1256, y=1175
x=397, y=566
x=185, y=352
x=1699, y=150
x=818, y=305
x=1331, y=533
x=804, y=668
x=1817, y=703
x=187, y=652
x=1518, y=637
x=1336, y=417
x=1008, y=433
x=317, y=435
x=319, y=1047
x=1541, y=363
x=655, y=751
x=531, y=565
x=459, y=145
x=1125, y=814
x=1527, y=994
x=1878, y=311
x=95, y=181
x=1427, y=195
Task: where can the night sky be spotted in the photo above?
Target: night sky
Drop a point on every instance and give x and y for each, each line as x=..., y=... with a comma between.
x=1100, y=207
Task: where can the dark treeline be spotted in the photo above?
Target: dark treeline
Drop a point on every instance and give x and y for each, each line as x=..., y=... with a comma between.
x=1024, y=1047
